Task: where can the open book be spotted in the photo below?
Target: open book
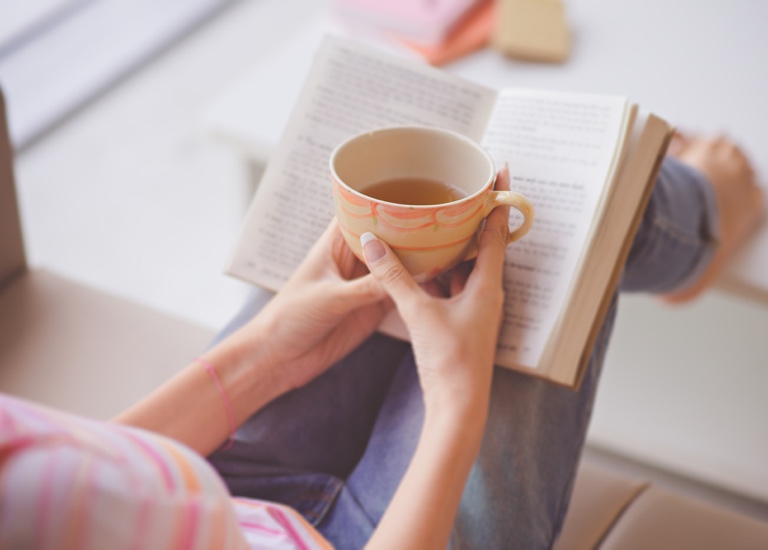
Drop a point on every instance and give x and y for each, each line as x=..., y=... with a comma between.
x=586, y=162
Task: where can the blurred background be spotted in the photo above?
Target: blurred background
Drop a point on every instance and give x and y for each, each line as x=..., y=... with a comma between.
x=141, y=128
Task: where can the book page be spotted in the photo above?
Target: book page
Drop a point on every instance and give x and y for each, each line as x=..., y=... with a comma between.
x=600, y=271
x=350, y=89
x=561, y=150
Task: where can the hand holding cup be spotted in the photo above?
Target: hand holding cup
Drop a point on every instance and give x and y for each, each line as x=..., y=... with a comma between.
x=424, y=191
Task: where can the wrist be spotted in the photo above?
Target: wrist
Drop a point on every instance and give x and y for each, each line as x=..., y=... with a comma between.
x=454, y=435
x=460, y=397
x=243, y=365
x=464, y=413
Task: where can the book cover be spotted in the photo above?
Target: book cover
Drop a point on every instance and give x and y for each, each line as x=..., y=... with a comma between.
x=424, y=21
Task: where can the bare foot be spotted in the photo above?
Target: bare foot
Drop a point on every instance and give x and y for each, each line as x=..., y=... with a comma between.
x=739, y=201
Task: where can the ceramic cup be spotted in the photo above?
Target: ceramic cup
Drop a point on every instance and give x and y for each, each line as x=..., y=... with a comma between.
x=428, y=239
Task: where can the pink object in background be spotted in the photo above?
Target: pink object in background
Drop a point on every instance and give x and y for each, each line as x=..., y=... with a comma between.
x=471, y=33
x=425, y=21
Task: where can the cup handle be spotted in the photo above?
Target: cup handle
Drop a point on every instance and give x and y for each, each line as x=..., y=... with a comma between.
x=517, y=201
x=507, y=198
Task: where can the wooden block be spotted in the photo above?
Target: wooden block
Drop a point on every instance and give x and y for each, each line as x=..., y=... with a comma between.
x=535, y=30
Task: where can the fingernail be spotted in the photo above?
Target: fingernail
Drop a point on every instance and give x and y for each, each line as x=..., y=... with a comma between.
x=506, y=169
x=372, y=248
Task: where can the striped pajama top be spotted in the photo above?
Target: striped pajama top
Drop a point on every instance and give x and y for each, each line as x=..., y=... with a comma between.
x=72, y=482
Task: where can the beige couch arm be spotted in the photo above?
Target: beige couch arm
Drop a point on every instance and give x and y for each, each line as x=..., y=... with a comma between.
x=611, y=511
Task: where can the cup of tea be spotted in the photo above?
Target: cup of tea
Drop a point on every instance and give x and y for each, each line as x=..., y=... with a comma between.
x=424, y=191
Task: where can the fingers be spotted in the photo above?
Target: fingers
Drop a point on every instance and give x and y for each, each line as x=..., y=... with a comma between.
x=329, y=245
x=388, y=270
x=502, y=179
x=363, y=290
x=331, y=252
x=493, y=239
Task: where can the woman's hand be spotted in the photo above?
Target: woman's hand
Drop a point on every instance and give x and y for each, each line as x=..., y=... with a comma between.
x=324, y=311
x=328, y=307
x=454, y=332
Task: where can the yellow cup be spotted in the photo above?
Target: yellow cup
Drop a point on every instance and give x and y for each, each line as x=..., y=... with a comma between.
x=428, y=239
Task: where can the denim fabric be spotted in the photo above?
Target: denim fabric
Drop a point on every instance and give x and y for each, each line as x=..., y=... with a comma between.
x=337, y=448
x=517, y=492
x=312, y=437
x=678, y=233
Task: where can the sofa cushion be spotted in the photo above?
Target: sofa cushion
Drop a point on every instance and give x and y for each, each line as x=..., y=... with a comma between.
x=82, y=350
x=599, y=498
x=662, y=520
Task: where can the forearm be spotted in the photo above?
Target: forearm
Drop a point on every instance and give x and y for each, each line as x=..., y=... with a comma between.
x=423, y=509
x=190, y=407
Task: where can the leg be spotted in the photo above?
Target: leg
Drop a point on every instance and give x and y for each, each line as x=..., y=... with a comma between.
x=678, y=234
x=739, y=201
x=297, y=449
x=368, y=490
x=518, y=492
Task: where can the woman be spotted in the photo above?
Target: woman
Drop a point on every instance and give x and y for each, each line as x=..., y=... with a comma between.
x=373, y=442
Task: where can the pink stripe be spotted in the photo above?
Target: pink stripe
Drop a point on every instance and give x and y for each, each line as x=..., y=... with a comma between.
x=142, y=524
x=157, y=457
x=280, y=518
x=64, y=426
x=190, y=529
x=92, y=497
x=37, y=413
x=8, y=427
x=16, y=445
x=136, y=479
x=44, y=499
x=257, y=527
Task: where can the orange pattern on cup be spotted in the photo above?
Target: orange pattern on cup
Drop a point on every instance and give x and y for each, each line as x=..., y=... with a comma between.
x=397, y=218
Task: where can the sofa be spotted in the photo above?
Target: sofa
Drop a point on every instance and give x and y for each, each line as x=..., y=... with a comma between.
x=70, y=345
x=81, y=349
x=611, y=509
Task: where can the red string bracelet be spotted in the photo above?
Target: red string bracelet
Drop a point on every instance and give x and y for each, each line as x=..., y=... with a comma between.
x=227, y=404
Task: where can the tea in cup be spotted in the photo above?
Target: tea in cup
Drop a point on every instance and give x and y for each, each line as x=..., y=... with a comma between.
x=424, y=191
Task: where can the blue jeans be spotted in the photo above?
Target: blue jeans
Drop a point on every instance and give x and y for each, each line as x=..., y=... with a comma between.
x=337, y=448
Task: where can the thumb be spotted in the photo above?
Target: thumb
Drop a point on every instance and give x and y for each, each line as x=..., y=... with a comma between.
x=388, y=270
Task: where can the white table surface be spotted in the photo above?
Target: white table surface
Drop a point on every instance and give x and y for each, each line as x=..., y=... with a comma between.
x=683, y=388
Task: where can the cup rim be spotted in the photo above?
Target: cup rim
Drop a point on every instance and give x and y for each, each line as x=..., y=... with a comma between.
x=483, y=188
